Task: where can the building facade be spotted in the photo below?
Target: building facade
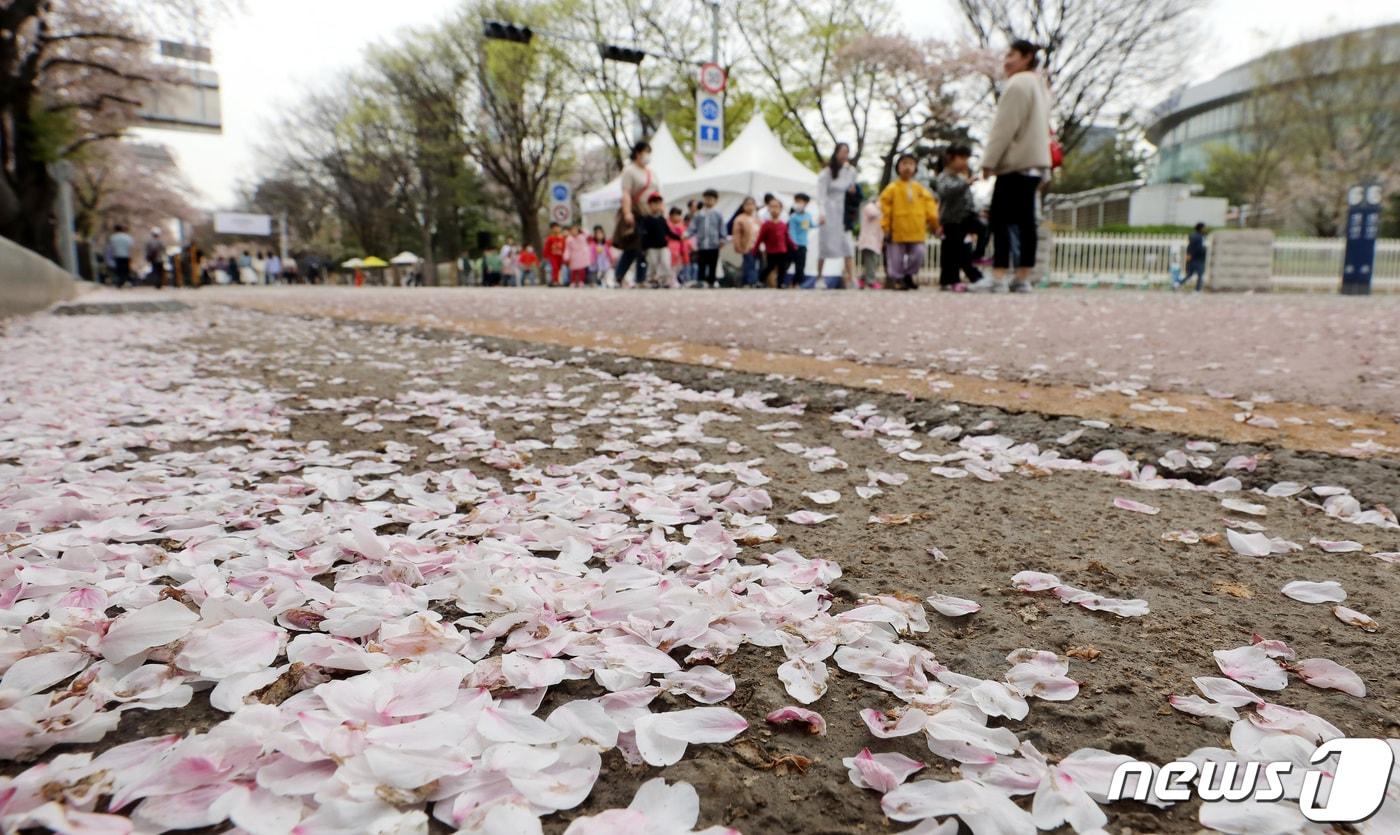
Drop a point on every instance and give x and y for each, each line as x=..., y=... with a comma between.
x=1193, y=118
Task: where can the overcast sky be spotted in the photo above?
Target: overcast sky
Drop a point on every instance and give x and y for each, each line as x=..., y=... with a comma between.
x=278, y=48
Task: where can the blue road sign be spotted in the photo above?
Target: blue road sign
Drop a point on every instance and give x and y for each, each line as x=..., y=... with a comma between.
x=709, y=124
x=560, y=193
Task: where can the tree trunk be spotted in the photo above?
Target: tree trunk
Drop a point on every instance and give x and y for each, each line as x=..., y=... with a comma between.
x=529, y=210
x=430, y=272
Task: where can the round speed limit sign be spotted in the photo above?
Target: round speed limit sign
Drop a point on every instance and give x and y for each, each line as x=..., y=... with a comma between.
x=560, y=213
x=713, y=78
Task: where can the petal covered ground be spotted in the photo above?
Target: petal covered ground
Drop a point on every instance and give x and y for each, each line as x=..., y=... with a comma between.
x=299, y=575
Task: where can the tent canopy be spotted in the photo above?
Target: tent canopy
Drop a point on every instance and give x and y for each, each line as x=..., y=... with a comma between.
x=667, y=163
x=405, y=259
x=754, y=163
x=374, y=262
x=353, y=263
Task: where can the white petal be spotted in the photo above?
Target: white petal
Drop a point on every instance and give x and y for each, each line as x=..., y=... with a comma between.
x=950, y=606
x=513, y=726
x=151, y=626
x=1304, y=591
x=804, y=680
x=678, y=805
x=1249, y=544
x=1351, y=617
x=824, y=496
x=1251, y=665
x=241, y=645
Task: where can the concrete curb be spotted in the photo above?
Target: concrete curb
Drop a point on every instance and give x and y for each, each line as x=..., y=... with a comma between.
x=29, y=282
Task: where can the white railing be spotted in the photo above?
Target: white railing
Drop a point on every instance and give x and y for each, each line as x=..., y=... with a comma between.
x=1144, y=261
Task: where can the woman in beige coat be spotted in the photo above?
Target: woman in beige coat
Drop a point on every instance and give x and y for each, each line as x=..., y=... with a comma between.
x=1018, y=153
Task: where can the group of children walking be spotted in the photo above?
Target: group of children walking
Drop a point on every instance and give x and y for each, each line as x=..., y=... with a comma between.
x=683, y=246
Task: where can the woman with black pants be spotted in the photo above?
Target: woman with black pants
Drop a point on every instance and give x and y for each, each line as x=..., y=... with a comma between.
x=1018, y=153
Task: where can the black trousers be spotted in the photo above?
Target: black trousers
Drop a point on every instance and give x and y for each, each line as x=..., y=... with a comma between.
x=775, y=265
x=1013, y=219
x=706, y=263
x=628, y=259
x=955, y=256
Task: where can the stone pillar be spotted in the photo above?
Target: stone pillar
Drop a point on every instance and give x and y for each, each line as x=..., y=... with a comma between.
x=1241, y=260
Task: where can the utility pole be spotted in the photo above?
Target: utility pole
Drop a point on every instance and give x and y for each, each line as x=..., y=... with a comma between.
x=714, y=30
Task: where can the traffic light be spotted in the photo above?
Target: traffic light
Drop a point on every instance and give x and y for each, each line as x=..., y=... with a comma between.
x=624, y=54
x=495, y=30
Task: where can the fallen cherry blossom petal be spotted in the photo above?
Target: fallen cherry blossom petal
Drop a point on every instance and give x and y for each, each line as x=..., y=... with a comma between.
x=881, y=772
x=1351, y=617
x=950, y=606
x=1136, y=507
x=1304, y=591
x=662, y=737
x=1328, y=674
x=1251, y=665
x=1331, y=546
x=1250, y=544
x=793, y=715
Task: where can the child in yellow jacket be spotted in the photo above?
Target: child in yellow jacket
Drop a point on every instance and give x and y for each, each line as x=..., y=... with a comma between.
x=909, y=213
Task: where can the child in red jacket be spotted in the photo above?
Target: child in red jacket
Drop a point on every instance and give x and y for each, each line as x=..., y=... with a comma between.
x=554, y=251
x=775, y=242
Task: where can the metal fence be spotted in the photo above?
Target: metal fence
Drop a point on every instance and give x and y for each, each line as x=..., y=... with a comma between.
x=1145, y=261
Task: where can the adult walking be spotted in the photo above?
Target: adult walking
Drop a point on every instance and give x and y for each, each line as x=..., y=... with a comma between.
x=638, y=184
x=155, y=257
x=837, y=180
x=1018, y=154
x=120, y=244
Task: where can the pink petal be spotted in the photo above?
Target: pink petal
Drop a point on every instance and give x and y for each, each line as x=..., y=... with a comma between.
x=662, y=737
x=808, y=517
x=1136, y=507
x=881, y=772
x=1328, y=674
x=798, y=715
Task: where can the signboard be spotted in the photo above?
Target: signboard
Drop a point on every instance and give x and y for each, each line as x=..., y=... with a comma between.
x=561, y=203
x=1363, y=227
x=238, y=223
x=709, y=124
x=713, y=78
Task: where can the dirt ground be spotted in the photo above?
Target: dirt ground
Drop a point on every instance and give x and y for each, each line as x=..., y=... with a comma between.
x=1203, y=597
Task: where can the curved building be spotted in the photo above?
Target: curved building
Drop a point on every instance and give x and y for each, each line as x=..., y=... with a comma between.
x=1195, y=117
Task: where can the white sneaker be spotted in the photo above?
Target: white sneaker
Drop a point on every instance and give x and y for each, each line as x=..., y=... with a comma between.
x=985, y=284
x=1021, y=287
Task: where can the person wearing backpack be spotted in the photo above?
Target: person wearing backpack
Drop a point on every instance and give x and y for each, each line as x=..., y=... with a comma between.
x=1018, y=153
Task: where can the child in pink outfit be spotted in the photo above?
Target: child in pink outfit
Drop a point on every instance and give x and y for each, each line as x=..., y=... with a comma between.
x=870, y=244
x=577, y=256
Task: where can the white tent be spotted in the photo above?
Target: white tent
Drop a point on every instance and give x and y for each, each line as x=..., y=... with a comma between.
x=667, y=164
x=754, y=164
x=405, y=259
